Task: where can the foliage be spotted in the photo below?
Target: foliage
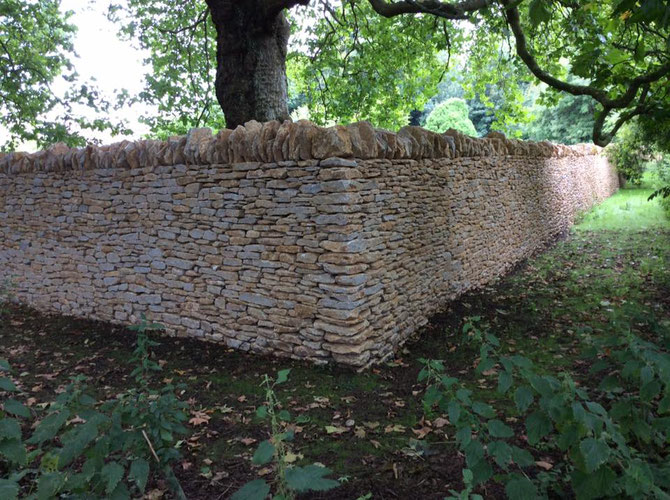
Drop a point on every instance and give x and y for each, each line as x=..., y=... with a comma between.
x=630, y=154
x=613, y=443
x=452, y=113
x=180, y=40
x=35, y=50
x=569, y=121
x=79, y=446
x=660, y=170
x=7, y=286
x=351, y=64
x=289, y=480
x=484, y=109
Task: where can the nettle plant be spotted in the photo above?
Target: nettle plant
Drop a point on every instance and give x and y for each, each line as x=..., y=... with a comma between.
x=78, y=446
x=289, y=479
x=612, y=447
x=7, y=286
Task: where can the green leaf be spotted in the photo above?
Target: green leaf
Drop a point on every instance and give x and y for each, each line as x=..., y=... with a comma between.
x=595, y=485
x=454, y=412
x=522, y=457
x=10, y=429
x=538, y=425
x=4, y=365
x=284, y=416
x=9, y=490
x=14, y=451
x=638, y=480
x=523, y=398
x=520, y=488
x=77, y=442
x=538, y=12
x=501, y=453
x=262, y=412
x=646, y=375
x=111, y=474
x=263, y=453
x=664, y=405
x=505, y=381
x=49, y=484
x=498, y=429
x=541, y=385
x=139, y=472
x=49, y=427
x=464, y=436
x=15, y=408
x=483, y=409
x=120, y=492
x=595, y=453
x=310, y=478
x=253, y=490
x=282, y=376
x=650, y=390
x=7, y=385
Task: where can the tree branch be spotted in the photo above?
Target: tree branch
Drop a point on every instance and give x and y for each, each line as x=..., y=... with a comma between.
x=201, y=19
x=459, y=10
x=274, y=7
x=598, y=94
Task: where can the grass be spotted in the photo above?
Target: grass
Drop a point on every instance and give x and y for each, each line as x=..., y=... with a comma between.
x=627, y=210
x=612, y=272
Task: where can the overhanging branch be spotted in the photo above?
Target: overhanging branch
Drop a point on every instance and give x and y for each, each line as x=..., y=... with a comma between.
x=458, y=10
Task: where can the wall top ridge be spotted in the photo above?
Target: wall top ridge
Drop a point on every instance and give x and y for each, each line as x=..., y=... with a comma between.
x=273, y=142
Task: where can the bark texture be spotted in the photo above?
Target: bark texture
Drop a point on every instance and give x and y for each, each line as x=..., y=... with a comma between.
x=252, y=43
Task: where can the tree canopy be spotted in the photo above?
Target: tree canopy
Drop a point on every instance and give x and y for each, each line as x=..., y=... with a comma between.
x=216, y=60
x=35, y=50
x=452, y=113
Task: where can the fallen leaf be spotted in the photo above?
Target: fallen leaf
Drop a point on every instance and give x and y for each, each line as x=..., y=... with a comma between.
x=423, y=432
x=331, y=429
x=544, y=465
x=199, y=418
x=154, y=494
x=440, y=422
x=293, y=457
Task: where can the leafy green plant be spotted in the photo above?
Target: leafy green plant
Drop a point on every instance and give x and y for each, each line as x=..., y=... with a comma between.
x=452, y=113
x=289, y=479
x=7, y=286
x=141, y=357
x=80, y=446
x=608, y=452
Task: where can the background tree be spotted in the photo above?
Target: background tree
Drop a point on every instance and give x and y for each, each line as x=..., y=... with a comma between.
x=452, y=113
x=561, y=118
x=35, y=50
x=620, y=47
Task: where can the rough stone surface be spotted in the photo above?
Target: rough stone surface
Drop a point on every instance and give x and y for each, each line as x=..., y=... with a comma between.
x=328, y=244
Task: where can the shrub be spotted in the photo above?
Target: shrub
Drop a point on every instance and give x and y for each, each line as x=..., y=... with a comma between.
x=630, y=154
x=80, y=447
x=612, y=437
x=452, y=113
x=6, y=294
x=289, y=479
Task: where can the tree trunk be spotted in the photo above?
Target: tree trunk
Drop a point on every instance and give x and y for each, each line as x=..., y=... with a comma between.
x=251, y=61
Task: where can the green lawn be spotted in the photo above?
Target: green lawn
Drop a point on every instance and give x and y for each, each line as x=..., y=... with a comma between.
x=627, y=210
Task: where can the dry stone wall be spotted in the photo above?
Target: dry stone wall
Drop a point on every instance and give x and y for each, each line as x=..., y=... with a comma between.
x=331, y=244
